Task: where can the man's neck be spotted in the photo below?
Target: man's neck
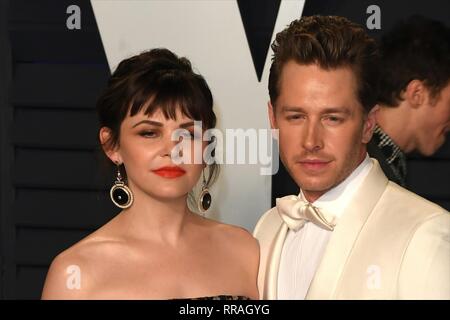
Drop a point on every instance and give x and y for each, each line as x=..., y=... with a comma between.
x=394, y=122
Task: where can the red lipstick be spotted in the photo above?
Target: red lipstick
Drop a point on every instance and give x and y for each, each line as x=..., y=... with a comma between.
x=169, y=172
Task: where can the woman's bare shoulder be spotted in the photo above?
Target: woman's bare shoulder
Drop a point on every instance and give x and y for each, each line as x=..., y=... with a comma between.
x=235, y=237
x=74, y=272
x=242, y=250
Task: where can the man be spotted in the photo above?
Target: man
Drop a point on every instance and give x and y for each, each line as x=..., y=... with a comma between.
x=414, y=94
x=350, y=234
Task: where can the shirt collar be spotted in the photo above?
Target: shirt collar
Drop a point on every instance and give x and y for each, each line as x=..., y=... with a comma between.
x=395, y=157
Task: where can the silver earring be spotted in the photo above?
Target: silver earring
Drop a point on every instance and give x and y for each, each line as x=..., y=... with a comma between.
x=120, y=194
x=205, y=199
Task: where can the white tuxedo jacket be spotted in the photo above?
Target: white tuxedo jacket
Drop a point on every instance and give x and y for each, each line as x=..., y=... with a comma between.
x=389, y=244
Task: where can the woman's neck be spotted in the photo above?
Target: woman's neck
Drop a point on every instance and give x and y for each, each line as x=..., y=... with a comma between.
x=155, y=219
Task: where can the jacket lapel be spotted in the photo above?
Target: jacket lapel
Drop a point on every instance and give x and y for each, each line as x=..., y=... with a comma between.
x=326, y=280
x=273, y=264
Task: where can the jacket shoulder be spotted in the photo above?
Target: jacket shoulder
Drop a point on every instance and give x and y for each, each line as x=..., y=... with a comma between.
x=425, y=269
x=407, y=201
x=268, y=223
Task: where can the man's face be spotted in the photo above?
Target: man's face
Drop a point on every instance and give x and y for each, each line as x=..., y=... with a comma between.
x=322, y=127
x=433, y=122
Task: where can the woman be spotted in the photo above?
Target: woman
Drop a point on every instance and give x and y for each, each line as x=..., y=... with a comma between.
x=156, y=248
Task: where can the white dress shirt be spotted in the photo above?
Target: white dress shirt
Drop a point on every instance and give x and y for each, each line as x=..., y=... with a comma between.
x=303, y=250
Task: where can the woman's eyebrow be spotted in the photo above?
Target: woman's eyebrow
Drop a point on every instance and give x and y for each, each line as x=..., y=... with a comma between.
x=154, y=123
x=187, y=124
x=159, y=124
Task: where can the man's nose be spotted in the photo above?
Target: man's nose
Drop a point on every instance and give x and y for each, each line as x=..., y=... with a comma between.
x=313, y=136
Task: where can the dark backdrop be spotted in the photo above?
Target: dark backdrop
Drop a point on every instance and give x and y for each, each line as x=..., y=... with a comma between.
x=53, y=191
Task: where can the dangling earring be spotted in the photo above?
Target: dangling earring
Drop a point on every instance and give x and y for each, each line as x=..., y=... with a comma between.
x=205, y=199
x=120, y=194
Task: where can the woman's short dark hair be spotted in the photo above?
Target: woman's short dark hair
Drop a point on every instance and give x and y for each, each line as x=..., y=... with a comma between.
x=155, y=80
x=330, y=42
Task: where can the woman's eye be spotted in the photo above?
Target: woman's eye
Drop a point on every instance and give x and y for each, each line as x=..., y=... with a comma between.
x=148, y=134
x=186, y=134
x=191, y=135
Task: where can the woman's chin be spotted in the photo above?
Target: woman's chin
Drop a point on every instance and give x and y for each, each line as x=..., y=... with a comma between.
x=169, y=194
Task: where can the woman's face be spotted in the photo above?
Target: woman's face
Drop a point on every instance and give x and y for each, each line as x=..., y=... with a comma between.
x=145, y=148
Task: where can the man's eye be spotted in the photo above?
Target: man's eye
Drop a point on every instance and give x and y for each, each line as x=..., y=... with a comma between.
x=295, y=117
x=334, y=119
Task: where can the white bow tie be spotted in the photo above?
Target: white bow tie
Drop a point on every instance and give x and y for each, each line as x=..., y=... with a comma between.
x=295, y=213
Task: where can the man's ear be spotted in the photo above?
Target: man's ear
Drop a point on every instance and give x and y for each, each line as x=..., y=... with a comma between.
x=369, y=124
x=111, y=152
x=415, y=93
x=271, y=112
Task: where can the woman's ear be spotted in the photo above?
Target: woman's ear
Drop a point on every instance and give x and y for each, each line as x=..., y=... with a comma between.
x=112, y=152
x=369, y=124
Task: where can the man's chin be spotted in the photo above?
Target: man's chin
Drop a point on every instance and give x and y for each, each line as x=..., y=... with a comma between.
x=315, y=186
x=432, y=147
x=427, y=152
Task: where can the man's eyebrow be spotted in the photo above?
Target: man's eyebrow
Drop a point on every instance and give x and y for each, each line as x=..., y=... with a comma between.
x=292, y=109
x=159, y=124
x=336, y=110
x=323, y=111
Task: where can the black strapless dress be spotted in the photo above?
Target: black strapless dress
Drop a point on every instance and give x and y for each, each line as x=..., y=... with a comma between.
x=219, y=297
x=222, y=297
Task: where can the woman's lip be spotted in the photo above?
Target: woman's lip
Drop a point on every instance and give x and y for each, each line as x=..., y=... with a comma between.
x=169, y=172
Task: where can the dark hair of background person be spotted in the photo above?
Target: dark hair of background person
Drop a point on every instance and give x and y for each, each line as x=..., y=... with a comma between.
x=331, y=42
x=415, y=48
x=155, y=80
